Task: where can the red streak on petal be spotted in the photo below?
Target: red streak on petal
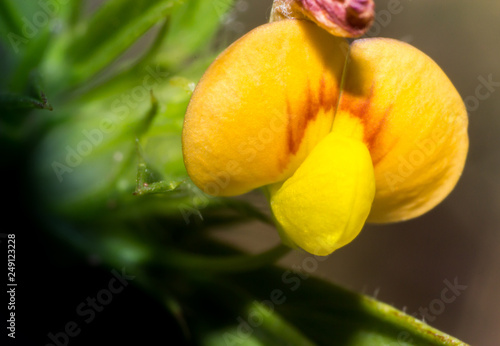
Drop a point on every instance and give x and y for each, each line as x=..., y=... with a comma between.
x=365, y=112
x=309, y=108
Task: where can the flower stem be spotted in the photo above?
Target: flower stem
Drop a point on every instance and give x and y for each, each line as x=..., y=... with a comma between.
x=235, y=263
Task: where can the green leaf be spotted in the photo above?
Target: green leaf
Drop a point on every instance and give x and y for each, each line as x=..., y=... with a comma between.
x=108, y=33
x=191, y=27
x=276, y=306
x=183, y=45
x=11, y=18
x=16, y=101
x=330, y=315
x=73, y=13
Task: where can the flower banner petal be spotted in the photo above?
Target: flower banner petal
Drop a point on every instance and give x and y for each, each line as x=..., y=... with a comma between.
x=262, y=106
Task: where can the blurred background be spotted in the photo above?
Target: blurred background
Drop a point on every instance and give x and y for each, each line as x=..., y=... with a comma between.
x=408, y=265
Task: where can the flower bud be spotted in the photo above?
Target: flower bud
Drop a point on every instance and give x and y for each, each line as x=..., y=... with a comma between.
x=344, y=18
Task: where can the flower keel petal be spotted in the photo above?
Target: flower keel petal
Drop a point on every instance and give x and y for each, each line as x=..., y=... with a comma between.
x=324, y=205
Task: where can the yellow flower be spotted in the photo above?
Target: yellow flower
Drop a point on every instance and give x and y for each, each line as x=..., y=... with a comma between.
x=337, y=135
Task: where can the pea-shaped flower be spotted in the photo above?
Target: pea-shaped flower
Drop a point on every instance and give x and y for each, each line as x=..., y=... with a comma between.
x=336, y=135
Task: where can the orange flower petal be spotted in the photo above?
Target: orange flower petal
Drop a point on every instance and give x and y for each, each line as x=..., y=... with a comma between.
x=262, y=106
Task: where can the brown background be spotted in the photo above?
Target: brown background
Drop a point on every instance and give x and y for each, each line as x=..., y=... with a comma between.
x=406, y=264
